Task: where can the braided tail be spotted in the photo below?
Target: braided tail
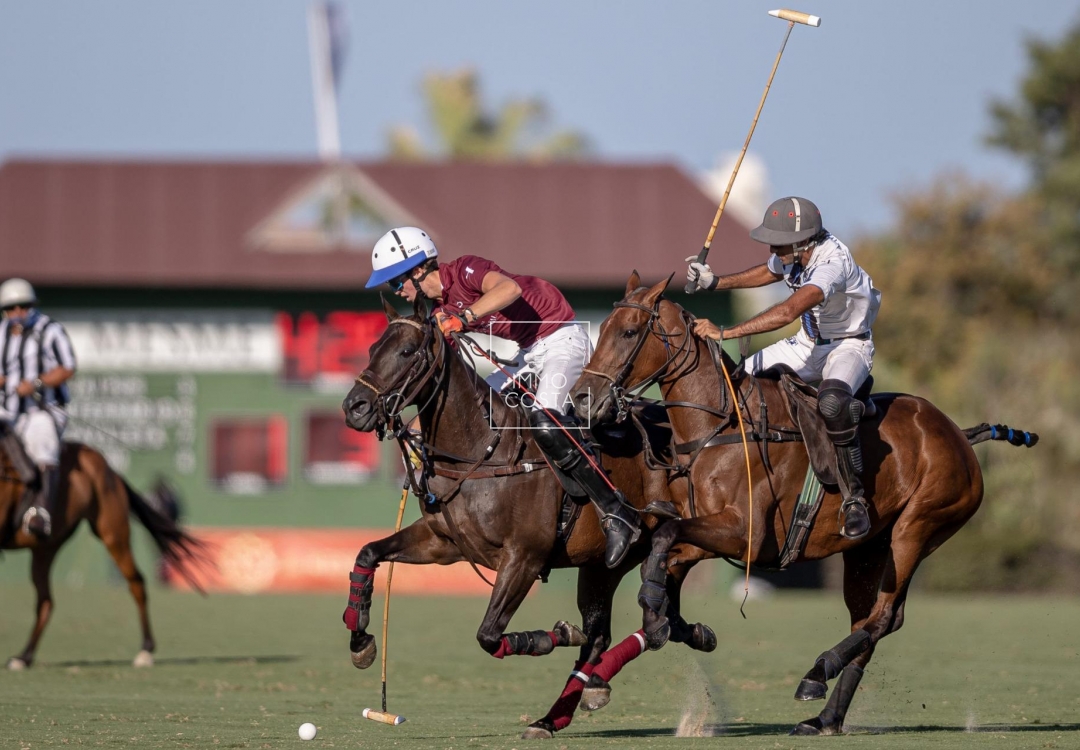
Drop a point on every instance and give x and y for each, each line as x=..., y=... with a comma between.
x=983, y=432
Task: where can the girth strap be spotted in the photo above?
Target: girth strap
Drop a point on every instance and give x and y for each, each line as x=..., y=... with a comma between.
x=776, y=435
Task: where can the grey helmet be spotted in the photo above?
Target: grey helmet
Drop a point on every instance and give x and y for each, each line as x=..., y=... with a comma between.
x=788, y=221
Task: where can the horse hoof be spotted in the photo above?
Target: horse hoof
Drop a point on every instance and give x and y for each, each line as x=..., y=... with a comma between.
x=569, y=634
x=808, y=728
x=656, y=637
x=703, y=638
x=364, y=656
x=15, y=664
x=811, y=690
x=538, y=730
x=143, y=659
x=596, y=694
x=593, y=699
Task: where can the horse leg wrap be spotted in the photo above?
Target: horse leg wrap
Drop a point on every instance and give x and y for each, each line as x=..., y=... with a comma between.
x=653, y=592
x=832, y=717
x=361, y=584
x=835, y=659
x=615, y=658
x=561, y=712
x=529, y=643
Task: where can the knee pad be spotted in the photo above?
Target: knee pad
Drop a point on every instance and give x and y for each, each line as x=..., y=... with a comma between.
x=840, y=410
x=550, y=437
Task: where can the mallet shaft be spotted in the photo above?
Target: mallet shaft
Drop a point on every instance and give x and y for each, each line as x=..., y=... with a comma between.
x=691, y=287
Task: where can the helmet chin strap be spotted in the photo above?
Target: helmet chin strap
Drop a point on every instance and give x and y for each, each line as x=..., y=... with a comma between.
x=416, y=282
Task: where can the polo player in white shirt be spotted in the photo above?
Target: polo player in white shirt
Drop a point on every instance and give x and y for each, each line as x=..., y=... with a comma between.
x=837, y=303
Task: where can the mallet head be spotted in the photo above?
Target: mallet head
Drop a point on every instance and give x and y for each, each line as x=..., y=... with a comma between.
x=796, y=16
x=385, y=718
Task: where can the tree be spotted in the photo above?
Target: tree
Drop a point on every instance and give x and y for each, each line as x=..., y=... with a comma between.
x=467, y=130
x=1042, y=126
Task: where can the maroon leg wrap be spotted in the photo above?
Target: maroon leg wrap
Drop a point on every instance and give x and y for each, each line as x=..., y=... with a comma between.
x=562, y=711
x=361, y=582
x=614, y=659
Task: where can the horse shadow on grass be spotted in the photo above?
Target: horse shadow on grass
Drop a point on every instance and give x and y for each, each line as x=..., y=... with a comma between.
x=170, y=661
x=761, y=730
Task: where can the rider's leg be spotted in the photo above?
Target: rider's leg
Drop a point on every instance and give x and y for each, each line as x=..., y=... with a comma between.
x=559, y=360
x=41, y=436
x=847, y=367
x=617, y=518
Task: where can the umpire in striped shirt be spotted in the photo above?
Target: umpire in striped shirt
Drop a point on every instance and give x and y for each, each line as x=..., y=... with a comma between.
x=37, y=361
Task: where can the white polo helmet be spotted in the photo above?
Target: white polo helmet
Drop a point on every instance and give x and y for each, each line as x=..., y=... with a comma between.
x=17, y=292
x=398, y=251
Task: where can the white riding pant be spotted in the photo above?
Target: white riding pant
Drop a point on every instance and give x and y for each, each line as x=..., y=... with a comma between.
x=40, y=431
x=849, y=360
x=557, y=361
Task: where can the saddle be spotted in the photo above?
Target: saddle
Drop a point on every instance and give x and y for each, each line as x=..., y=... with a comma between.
x=802, y=408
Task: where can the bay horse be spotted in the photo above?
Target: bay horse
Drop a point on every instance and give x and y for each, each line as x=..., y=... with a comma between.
x=921, y=476
x=490, y=499
x=90, y=490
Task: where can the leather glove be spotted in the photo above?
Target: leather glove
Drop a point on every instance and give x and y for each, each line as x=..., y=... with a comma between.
x=449, y=323
x=700, y=274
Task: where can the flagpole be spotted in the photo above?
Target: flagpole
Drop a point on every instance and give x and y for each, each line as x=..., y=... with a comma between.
x=327, y=129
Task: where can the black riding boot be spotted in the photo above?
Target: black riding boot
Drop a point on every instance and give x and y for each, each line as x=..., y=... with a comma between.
x=854, y=508
x=38, y=519
x=617, y=518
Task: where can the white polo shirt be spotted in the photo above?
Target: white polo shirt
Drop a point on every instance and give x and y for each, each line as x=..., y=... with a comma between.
x=851, y=302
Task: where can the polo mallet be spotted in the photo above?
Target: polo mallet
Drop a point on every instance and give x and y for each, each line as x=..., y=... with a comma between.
x=792, y=17
x=370, y=713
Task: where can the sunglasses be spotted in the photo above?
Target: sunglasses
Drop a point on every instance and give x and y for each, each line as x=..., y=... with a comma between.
x=397, y=282
x=10, y=308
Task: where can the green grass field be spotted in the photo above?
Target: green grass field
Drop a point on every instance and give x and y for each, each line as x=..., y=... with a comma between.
x=239, y=672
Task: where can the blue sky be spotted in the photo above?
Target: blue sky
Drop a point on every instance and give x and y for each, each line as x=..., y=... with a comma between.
x=878, y=99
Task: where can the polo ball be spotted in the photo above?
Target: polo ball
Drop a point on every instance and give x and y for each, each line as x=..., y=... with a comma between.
x=307, y=731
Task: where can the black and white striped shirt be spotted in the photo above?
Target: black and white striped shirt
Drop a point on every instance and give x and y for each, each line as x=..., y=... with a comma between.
x=29, y=354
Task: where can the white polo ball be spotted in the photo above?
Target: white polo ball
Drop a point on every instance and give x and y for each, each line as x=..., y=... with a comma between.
x=307, y=731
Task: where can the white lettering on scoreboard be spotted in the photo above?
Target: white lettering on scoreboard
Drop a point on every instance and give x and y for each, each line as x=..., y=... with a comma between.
x=174, y=341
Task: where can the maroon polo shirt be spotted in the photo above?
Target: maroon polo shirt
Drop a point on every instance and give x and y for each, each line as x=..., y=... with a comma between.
x=539, y=311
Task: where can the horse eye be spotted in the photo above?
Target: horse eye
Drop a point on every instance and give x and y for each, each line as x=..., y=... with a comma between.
x=630, y=333
x=408, y=351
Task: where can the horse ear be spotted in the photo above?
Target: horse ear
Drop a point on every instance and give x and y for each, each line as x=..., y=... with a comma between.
x=632, y=283
x=390, y=310
x=655, y=291
x=419, y=306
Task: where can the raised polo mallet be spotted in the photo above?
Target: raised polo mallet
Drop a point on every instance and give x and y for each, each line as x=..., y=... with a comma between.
x=792, y=17
x=370, y=713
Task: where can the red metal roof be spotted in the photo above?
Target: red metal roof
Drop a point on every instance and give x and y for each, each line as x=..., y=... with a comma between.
x=189, y=223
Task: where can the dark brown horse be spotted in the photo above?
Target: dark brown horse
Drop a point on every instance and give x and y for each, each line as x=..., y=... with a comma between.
x=90, y=490
x=921, y=476
x=493, y=502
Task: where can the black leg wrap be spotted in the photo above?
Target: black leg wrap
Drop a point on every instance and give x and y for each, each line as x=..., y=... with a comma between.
x=530, y=643
x=653, y=592
x=835, y=659
x=832, y=717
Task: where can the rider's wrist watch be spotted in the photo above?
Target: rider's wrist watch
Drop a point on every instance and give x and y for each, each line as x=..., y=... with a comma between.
x=469, y=315
x=38, y=385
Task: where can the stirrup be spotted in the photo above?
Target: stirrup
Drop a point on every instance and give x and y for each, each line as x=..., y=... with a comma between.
x=844, y=506
x=46, y=521
x=635, y=528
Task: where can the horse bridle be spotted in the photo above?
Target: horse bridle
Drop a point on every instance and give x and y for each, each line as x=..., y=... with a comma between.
x=624, y=396
x=392, y=398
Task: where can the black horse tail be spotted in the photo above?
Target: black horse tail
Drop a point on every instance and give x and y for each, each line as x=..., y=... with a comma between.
x=180, y=551
x=983, y=432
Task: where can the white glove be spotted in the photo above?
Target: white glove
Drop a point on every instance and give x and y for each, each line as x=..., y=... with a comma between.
x=700, y=274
